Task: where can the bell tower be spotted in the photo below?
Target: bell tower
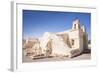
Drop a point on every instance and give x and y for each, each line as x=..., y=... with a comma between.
x=76, y=35
x=76, y=24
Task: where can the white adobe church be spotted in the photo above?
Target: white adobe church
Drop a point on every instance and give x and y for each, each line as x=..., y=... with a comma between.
x=67, y=43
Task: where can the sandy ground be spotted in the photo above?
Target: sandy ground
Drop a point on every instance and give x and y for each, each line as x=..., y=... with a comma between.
x=80, y=57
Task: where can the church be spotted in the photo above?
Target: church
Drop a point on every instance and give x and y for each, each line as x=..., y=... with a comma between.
x=68, y=43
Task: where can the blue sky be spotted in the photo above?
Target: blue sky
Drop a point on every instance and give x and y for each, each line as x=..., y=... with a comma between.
x=35, y=23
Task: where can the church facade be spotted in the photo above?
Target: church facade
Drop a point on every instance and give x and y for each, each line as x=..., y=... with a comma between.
x=78, y=37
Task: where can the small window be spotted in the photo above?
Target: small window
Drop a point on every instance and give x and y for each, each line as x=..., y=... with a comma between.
x=72, y=42
x=74, y=26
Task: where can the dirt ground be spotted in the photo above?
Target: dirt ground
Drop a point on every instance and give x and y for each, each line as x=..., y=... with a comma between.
x=80, y=57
